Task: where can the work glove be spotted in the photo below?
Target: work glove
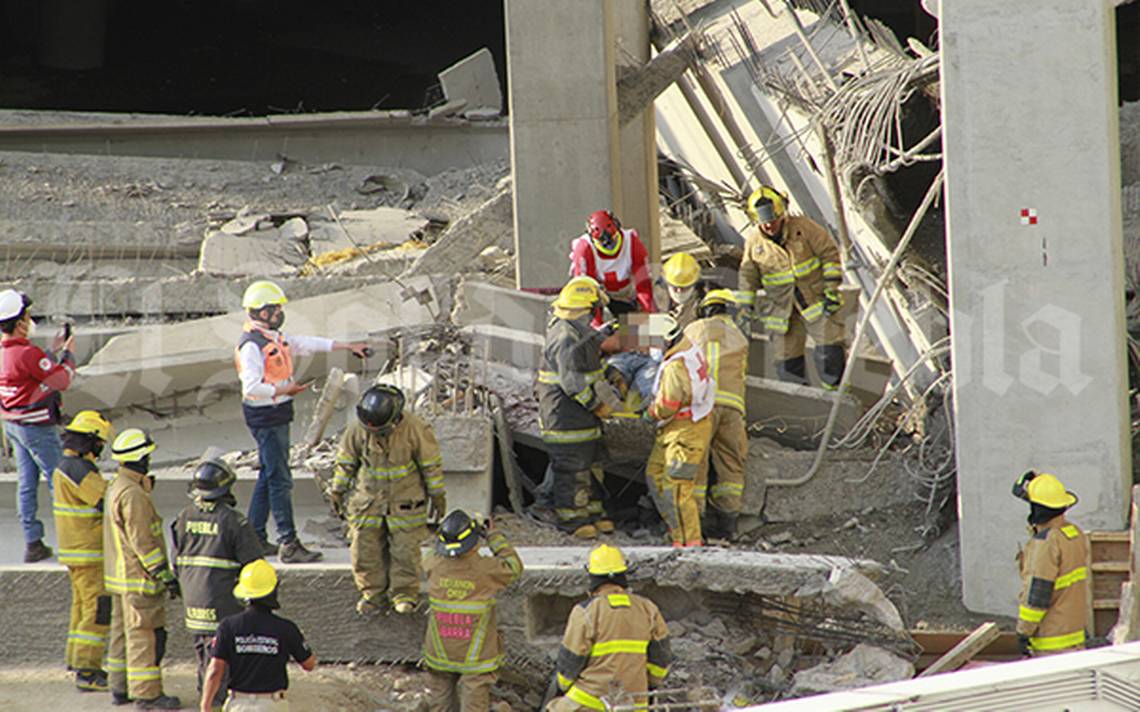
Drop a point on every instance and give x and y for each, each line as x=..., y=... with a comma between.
x=609, y=328
x=1023, y=644
x=603, y=411
x=167, y=579
x=336, y=501
x=437, y=506
x=607, y=395
x=832, y=300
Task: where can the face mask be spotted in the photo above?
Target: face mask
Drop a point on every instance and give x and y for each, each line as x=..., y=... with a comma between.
x=277, y=319
x=31, y=327
x=680, y=295
x=150, y=479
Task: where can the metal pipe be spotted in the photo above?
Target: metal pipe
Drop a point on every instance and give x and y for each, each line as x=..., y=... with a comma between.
x=855, y=34
x=860, y=330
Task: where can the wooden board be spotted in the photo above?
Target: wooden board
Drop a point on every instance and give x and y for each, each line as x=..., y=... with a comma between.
x=964, y=651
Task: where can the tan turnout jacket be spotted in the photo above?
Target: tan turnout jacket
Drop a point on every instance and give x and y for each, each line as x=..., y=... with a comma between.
x=613, y=637
x=463, y=634
x=726, y=349
x=793, y=274
x=389, y=477
x=1055, y=608
x=133, y=545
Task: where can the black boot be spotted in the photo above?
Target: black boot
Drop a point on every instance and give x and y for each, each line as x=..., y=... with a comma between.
x=162, y=702
x=793, y=370
x=830, y=360
x=37, y=551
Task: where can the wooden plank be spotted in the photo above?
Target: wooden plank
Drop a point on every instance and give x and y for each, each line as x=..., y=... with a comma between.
x=964, y=651
x=1134, y=533
x=1111, y=567
x=1107, y=585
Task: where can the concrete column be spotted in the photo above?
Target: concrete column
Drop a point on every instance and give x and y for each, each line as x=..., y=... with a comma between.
x=1036, y=277
x=568, y=155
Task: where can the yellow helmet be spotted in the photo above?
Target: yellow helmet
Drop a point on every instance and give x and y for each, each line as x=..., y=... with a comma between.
x=606, y=560
x=719, y=296
x=91, y=422
x=681, y=270
x=132, y=445
x=766, y=204
x=1047, y=490
x=262, y=293
x=581, y=293
x=256, y=580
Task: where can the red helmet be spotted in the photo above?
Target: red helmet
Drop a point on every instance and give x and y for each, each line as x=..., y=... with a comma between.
x=605, y=232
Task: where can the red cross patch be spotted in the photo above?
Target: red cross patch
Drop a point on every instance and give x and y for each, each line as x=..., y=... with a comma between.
x=1028, y=216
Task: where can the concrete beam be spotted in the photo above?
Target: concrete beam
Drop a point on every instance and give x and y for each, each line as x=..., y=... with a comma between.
x=638, y=87
x=1037, y=316
x=386, y=138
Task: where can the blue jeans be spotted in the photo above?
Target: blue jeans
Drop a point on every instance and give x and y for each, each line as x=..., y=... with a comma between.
x=37, y=449
x=274, y=488
x=639, y=371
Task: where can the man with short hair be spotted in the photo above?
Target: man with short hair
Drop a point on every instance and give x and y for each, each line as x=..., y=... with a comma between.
x=31, y=380
x=264, y=359
x=212, y=541
x=254, y=647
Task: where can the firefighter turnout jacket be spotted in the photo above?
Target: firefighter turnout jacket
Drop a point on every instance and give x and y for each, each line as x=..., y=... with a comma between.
x=793, y=274
x=78, y=489
x=571, y=365
x=463, y=634
x=133, y=546
x=1055, y=608
x=685, y=389
x=615, y=637
x=211, y=542
x=726, y=350
x=390, y=477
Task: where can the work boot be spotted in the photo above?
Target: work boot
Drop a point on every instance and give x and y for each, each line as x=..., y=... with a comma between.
x=120, y=698
x=37, y=551
x=91, y=681
x=586, y=531
x=267, y=549
x=605, y=526
x=367, y=607
x=295, y=552
x=162, y=702
x=404, y=607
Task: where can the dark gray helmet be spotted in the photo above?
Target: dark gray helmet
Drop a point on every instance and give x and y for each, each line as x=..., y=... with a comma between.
x=380, y=408
x=457, y=535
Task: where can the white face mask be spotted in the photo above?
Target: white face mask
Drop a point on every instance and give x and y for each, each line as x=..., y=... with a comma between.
x=31, y=328
x=680, y=295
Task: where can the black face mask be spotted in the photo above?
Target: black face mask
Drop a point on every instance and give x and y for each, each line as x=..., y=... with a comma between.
x=140, y=466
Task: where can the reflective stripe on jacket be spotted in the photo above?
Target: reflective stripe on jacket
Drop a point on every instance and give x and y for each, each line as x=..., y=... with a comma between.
x=77, y=503
x=615, y=641
x=211, y=542
x=387, y=475
x=726, y=350
x=793, y=274
x=462, y=633
x=571, y=365
x=684, y=387
x=133, y=545
x=1055, y=606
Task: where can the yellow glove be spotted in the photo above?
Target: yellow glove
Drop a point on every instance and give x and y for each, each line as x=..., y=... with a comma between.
x=832, y=299
x=603, y=411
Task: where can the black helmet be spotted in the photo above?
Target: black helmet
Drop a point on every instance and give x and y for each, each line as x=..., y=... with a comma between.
x=457, y=534
x=212, y=479
x=380, y=408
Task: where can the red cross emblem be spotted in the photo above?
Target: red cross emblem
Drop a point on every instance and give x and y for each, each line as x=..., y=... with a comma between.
x=1028, y=216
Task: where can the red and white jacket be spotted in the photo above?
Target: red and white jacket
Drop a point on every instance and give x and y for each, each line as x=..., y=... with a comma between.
x=623, y=275
x=31, y=381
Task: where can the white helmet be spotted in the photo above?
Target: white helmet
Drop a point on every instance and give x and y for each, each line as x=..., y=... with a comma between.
x=12, y=304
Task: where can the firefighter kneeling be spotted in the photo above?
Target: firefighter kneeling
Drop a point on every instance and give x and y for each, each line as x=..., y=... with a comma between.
x=1055, y=611
x=615, y=641
x=685, y=394
x=462, y=649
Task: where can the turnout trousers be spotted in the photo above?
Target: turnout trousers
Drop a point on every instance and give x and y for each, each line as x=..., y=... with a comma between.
x=728, y=450
x=138, y=644
x=674, y=463
x=386, y=560
x=455, y=692
x=90, y=618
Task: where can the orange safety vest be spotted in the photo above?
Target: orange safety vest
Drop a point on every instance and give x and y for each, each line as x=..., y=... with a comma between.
x=277, y=356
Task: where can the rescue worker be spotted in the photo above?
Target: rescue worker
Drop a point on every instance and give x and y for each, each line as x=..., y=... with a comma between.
x=253, y=648
x=616, y=642
x=573, y=397
x=685, y=395
x=264, y=358
x=388, y=481
x=726, y=349
x=795, y=262
x=1055, y=612
x=684, y=287
x=616, y=259
x=31, y=380
x=136, y=573
x=462, y=650
x=211, y=542
x=78, y=506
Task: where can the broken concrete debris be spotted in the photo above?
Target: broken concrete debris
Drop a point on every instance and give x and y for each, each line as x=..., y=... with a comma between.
x=864, y=665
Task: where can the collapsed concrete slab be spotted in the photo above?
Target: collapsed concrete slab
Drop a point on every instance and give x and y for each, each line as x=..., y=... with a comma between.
x=321, y=599
x=488, y=225
x=473, y=80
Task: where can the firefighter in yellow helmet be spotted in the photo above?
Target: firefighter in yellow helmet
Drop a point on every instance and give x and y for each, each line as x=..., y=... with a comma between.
x=796, y=264
x=264, y=359
x=136, y=573
x=78, y=490
x=685, y=394
x=681, y=287
x=573, y=397
x=726, y=349
x=1054, y=614
x=616, y=642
